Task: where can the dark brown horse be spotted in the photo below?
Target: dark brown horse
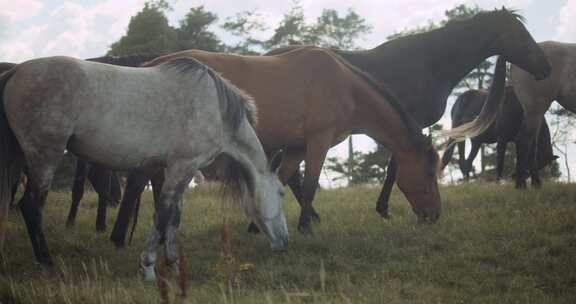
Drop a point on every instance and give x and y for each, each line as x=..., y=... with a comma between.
x=422, y=69
x=309, y=100
x=503, y=130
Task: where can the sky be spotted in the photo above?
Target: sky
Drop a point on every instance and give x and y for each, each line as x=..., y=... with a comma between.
x=86, y=28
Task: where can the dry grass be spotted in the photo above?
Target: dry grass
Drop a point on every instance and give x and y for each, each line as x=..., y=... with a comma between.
x=492, y=245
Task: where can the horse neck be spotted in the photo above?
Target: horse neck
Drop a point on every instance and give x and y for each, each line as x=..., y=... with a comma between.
x=245, y=147
x=385, y=123
x=453, y=50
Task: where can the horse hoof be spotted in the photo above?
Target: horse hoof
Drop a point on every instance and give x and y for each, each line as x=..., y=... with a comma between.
x=252, y=228
x=119, y=244
x=383, y=212
x=100, y=229
x=315, y=216
x=70, y=224
x=305, y=229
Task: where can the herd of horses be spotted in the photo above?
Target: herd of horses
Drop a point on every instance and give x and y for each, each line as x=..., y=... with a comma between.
x=252, y=120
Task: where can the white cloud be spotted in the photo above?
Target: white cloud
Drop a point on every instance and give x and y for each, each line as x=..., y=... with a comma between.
x=86, y=31
x=17, y=50
x=566, y=30
x=21, y=9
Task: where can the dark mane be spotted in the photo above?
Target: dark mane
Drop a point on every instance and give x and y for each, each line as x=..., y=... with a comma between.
x=387, y=93
x=127, y=60
x=237, y=104
x=481, y=16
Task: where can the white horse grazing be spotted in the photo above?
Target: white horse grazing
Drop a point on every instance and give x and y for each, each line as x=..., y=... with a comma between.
x=179, y=116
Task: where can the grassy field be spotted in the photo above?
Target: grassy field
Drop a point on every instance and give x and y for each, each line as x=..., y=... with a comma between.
x=492, y=245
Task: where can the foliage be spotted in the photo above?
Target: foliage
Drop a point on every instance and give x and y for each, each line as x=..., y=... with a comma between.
x=493, y=244
x=367, y=168
x=330, y=29
x=244, y=25
x=148, y=32
x=193, y=32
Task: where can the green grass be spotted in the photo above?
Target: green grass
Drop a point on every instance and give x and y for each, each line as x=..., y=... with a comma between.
x=492, y=245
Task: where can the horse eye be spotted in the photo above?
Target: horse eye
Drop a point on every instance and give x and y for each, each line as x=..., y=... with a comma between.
x=281, y=193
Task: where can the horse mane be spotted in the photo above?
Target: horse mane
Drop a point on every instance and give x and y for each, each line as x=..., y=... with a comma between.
x=237, y=103
x=386, y=92
x=481, y=16
x=134, y=60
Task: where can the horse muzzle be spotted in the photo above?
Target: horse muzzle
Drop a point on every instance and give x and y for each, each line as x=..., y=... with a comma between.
x=428, y=215
x=276, y=230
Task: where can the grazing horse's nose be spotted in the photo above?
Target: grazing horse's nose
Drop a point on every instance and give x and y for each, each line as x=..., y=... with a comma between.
x=428, y=215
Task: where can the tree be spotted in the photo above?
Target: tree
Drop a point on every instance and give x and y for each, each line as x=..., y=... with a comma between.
x=148, y=32
x=193, y=32
x=368, y=168
x=244, y=25
x=561, y=126
x=330, y=29
x=337, y=32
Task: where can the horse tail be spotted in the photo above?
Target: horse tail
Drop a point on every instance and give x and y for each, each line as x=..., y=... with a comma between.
x=489, y=110
x=11, y=159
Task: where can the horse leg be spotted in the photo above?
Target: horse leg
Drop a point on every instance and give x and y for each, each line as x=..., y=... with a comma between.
x=473, y=153
x=135, y=184
x=526, y=149
x=167, y=217
x=40, y=172
x=100, y=179
x=462, y=159
x=157, y=181
x=447, y=155
x=115, y=190
x=382, y=205
x=316, y=149
x=500, y=155
x=534, y=176
x=77, y=190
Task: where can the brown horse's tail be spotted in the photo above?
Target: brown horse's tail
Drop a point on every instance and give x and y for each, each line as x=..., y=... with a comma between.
x=11, y=159
x=489, y=110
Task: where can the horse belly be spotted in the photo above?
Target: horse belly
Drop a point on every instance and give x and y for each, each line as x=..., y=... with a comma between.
x=118, y=153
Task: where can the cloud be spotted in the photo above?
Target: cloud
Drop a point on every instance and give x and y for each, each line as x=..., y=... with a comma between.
x=21, y=9
x=17, y=50
x=85, y=31
x=566, y=30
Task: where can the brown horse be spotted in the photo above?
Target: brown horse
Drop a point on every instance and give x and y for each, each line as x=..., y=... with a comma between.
x=309, y=100
x=422, y=69
x=503, y=130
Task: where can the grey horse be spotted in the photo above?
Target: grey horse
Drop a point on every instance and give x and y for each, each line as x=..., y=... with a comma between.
x=179, y=116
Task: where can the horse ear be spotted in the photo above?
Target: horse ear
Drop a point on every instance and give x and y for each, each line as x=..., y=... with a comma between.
x=276, y=161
